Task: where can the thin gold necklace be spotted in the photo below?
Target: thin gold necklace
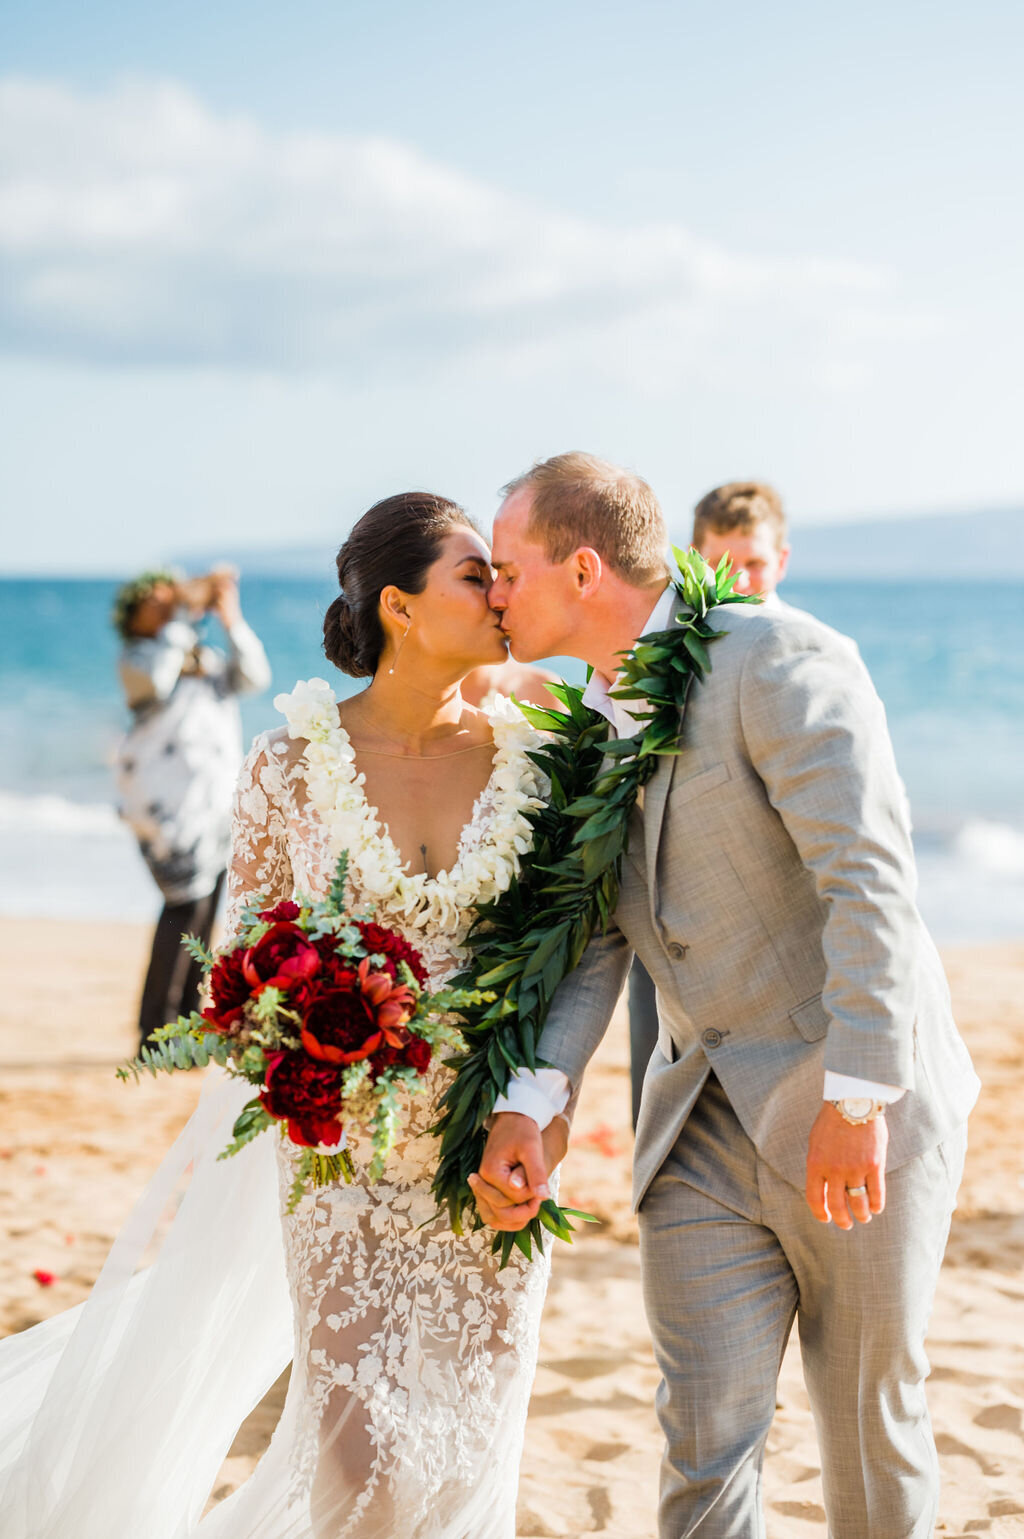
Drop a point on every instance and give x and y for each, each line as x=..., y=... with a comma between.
x=382, y=753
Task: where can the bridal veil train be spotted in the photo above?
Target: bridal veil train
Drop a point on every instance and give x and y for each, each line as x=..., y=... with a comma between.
x=412, y=1354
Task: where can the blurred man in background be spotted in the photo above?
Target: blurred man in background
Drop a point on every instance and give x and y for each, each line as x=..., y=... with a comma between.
x=743, y=520
x=177, y=766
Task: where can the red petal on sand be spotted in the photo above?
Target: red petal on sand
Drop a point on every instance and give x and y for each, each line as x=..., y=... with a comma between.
x=44, y=1279
x=602, y=1138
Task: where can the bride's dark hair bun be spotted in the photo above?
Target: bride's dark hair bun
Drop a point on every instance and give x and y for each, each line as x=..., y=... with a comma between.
x=396, y=542
x=341, y=638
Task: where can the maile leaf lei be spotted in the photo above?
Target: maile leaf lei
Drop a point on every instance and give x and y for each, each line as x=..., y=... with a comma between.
x=526, y=941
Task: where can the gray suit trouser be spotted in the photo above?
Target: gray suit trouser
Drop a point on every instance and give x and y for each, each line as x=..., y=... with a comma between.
x=731, y=1255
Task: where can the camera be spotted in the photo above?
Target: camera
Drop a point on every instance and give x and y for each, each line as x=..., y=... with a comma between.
x=200, y=593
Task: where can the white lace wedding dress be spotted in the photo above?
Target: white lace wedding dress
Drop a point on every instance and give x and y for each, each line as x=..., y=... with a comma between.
x=412, y=1354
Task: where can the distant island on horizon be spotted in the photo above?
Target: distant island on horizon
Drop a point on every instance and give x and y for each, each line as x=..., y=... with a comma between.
x=930, y=546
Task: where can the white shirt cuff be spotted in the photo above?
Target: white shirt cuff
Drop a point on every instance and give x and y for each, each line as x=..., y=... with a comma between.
x=541, y=1095
x=841, y=1087
x=242, y=633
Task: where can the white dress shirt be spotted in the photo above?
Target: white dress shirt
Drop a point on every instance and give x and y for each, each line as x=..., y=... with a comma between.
x=178, y=764
x=544, y=1094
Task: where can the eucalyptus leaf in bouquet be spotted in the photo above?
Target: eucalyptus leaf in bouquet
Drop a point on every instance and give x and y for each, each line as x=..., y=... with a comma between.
x=328, y=1014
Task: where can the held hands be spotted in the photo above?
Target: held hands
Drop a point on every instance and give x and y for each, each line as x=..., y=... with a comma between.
x=513, y=1178
x=840, y=1159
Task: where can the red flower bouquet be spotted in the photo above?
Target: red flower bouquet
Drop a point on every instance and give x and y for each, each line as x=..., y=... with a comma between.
x=328, y=1014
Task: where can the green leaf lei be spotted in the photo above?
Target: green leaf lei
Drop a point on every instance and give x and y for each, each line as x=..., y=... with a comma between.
x=526, y=941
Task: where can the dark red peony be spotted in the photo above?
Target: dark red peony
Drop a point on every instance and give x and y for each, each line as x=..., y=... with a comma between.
x=338, y=1025
x=283, y=958
x=336, y=972
x=229, y=991
x=386, y=943
x=305, y=1094
x=282, y=911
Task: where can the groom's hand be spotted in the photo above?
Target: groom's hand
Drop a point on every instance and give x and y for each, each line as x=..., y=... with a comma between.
x=513, y=1178
x=846, y=1169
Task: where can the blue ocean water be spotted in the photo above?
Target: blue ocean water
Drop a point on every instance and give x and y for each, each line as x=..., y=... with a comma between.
x=948, y=662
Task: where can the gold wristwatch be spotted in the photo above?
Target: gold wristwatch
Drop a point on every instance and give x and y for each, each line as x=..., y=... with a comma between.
x=858, y=1109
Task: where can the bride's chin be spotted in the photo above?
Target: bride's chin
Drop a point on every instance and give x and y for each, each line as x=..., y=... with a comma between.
x=498, y=652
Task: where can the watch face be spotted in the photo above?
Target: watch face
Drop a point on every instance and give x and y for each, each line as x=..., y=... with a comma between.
x=857, y=1106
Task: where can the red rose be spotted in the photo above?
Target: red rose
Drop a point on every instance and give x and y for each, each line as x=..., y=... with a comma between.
x=283, y=911
x=390, y=945
x=281, y=959
x=338, y=1027
x=229, y=990
x=336, y=971
x=305, y=1094
x=418, y=1055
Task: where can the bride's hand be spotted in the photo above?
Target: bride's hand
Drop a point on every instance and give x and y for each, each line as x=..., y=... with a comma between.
x=555, y=1139
x=513, y=1178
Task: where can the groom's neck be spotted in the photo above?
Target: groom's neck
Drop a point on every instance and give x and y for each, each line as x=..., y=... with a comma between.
x=618, y=622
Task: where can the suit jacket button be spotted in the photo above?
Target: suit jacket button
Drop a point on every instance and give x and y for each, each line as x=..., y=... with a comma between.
x=711, y=1038
x=676, y=952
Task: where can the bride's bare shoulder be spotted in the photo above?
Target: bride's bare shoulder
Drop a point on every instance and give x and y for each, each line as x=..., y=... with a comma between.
x=477, y=723
x=273, y=750
x=526, y=681
x=269, y=743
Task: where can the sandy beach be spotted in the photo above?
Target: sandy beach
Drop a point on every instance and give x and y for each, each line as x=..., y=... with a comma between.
x=76, y=1147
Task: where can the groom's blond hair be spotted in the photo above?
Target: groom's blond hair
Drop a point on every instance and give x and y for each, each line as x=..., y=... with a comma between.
x=577, y=500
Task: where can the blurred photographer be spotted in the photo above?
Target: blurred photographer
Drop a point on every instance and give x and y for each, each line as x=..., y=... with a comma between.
x=177, y=766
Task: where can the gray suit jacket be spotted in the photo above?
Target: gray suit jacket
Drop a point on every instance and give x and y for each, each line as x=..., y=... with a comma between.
x=769, y=890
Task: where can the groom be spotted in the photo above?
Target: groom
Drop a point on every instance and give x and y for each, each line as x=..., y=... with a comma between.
x=802, y=1130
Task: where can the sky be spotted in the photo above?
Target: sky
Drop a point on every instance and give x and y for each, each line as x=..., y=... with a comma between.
x=259, y=268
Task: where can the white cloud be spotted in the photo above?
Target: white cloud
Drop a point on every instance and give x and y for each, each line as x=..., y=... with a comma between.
x=138, y=227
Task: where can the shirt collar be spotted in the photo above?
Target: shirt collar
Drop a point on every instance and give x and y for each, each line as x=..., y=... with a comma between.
x=597, y=696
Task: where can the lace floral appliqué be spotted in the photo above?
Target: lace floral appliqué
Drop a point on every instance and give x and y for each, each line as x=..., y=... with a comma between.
x=415, y=1355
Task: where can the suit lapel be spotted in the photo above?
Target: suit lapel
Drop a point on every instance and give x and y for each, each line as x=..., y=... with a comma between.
x=655, y=800
x=655, y=796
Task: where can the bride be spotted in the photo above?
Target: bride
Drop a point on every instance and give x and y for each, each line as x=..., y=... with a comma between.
x=412, y=1354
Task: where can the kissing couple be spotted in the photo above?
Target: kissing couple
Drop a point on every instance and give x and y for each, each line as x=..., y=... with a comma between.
x=802, y=1128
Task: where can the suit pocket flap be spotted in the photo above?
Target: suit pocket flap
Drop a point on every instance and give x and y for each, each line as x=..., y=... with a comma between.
x=667, y=1047
x=688, y=790
x=811, y=1019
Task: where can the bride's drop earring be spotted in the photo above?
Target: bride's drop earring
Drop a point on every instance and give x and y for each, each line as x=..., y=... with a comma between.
x=401, y=644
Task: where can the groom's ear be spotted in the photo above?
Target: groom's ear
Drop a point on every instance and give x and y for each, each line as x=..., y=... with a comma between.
x=587, y=571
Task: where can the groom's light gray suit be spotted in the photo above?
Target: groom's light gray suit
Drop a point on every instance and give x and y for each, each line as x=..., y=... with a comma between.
x=769, y=891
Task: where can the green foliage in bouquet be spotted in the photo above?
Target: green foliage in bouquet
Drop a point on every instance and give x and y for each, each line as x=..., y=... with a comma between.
x=532, y=936
x=329, y=1028
x=187, y=1043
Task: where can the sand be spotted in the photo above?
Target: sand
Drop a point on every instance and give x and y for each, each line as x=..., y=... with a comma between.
x=76, y=1147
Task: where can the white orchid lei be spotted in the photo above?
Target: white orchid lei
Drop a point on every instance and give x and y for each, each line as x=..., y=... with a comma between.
x=444, y=905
